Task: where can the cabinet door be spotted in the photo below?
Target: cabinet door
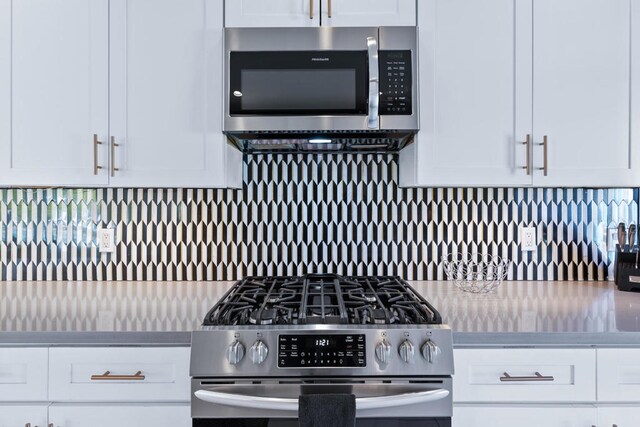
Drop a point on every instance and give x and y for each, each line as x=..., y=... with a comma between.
x=23, y=374
x=166, y=94
x=121, y=415
x=368, y=13
x=23, y=415
x=584, y=95
x=272, y=13
x=54, y=87
x=523, y=416
x=620, y=416
x=475, y=95
x=618, y=375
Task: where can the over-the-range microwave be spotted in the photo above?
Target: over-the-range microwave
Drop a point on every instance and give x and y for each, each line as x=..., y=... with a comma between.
x=321, y=89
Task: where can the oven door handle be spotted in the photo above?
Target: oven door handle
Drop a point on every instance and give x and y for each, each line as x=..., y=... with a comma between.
x=291, y=404
x=374, y=83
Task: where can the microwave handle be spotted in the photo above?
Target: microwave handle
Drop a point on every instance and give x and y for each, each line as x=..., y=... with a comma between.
x=374, y=82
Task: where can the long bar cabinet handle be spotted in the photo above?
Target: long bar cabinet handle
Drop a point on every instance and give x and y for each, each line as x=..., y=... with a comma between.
x=96, y=142
x=536, y=377
x=109, y=376
x=310, y=9
x=113, y=156
x=329, y=8
x=545, y=154
x=527, y=144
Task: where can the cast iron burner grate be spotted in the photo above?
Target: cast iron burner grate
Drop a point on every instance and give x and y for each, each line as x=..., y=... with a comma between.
x=322, y=299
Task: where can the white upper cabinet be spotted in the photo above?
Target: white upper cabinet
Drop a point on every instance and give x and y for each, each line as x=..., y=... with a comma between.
x=493, y=72
x=119, y=93
x=584, y=95
x=368, y=13
x=53, y=92
x=475, y=95
x=272, y=13
x=166, y=86
x=313, y=13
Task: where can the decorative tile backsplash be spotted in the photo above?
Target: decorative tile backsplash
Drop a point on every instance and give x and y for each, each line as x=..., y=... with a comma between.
x=305, y=213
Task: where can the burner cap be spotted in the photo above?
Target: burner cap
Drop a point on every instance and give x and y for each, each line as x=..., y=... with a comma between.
x=267, y=317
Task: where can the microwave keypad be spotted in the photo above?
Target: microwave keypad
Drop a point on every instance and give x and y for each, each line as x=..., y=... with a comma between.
x=395, y=82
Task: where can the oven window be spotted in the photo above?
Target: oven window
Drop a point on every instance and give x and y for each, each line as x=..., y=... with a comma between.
x=298, y=83
x=360, y=422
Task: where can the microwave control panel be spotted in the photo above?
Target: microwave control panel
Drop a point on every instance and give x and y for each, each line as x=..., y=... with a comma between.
x=395, y=82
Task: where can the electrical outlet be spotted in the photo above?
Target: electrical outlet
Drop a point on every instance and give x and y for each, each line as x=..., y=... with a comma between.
x=528, y=242
x=612, y=239
x=106, y=240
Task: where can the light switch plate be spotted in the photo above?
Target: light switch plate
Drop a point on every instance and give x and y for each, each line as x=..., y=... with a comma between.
x=528, y=241
x=106, y=240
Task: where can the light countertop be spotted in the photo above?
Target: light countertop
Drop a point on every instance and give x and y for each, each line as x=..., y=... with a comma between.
x=163, y=313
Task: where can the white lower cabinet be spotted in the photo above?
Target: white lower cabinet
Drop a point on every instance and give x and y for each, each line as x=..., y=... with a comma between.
x=524, y=416
x=619, y=416
x=618, y=375
x=94, y=386
x=525, y=375
x=23, y=415
x=121, y=415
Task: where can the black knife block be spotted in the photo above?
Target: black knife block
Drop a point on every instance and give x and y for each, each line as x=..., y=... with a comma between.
x=627, y=276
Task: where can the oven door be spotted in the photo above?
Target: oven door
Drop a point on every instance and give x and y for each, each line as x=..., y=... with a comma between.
x=275, y=403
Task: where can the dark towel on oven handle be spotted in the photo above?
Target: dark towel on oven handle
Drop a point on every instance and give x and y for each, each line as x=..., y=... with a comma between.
x=327, y=410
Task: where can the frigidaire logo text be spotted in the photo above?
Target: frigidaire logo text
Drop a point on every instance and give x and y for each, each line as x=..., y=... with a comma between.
x=320, y=59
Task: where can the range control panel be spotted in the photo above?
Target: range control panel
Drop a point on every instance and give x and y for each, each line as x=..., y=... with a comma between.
x=322, y=351
x=395, y=82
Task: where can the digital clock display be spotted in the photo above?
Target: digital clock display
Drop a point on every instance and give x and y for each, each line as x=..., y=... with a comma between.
x=321, y=351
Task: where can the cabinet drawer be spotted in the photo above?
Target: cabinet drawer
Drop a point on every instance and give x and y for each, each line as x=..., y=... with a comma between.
x=619, y=375
x=536, y=375
x=23, y=374
x=120, y=374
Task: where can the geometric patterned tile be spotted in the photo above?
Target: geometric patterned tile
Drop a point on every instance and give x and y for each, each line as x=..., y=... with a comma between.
x=339, y=213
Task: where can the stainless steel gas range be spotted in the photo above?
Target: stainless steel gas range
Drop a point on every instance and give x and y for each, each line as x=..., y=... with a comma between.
x=271, y=339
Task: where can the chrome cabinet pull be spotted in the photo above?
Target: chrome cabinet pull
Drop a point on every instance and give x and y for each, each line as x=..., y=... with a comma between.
x=109, y=376
x=96, y=142
x=310, y=9
x=537, y=377
x=329, y=8
x=113, y=156
x=527, y=144
x=545, y=152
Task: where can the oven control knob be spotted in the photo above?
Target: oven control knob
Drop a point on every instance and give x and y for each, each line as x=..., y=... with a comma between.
x=406, y=351
x=430, y=351
x=235, y=352
x=258, y=352
x=383, y=351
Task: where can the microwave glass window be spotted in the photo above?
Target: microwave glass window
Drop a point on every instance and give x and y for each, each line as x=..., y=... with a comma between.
x=296, y=83
x=293, y=90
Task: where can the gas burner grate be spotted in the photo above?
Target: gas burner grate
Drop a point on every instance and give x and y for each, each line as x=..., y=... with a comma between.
x=322, y=299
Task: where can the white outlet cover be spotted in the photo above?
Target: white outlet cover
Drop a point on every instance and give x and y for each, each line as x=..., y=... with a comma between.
x=106, y=240
x=528, y=239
